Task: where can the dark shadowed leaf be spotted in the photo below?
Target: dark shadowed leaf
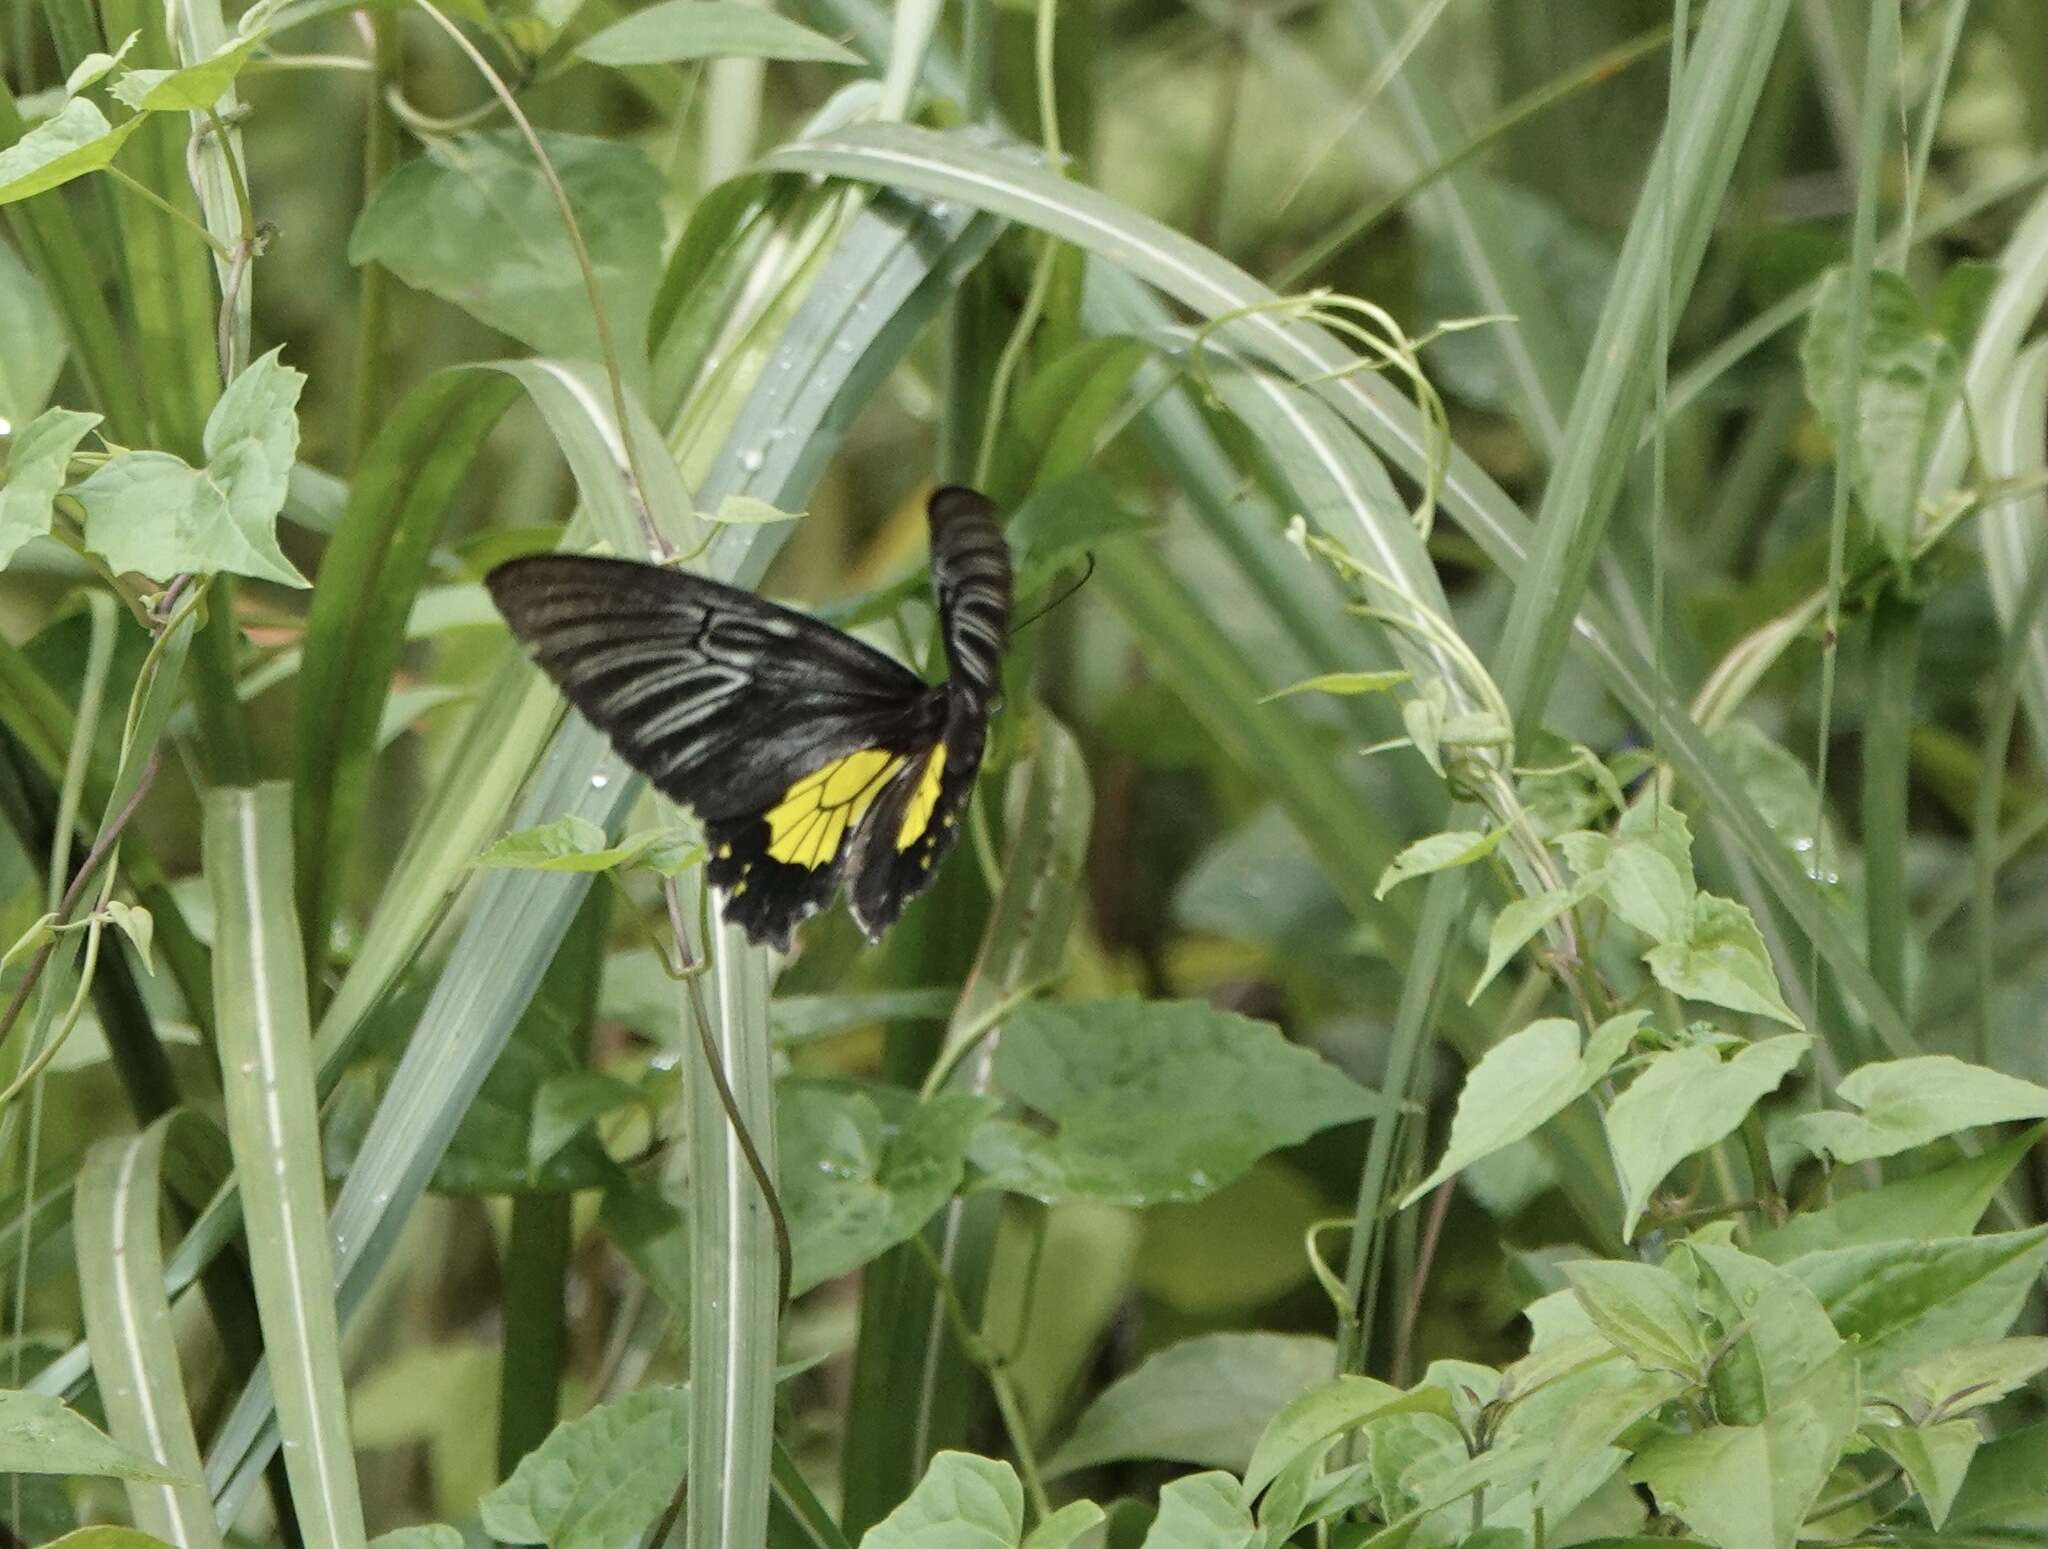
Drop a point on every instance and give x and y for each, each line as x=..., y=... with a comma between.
x=864, y=1167
x=474, y=222
x=1150, y=1101
x=1203, y=1401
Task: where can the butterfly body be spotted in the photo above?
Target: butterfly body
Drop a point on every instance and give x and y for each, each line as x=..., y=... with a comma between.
x=810, y=758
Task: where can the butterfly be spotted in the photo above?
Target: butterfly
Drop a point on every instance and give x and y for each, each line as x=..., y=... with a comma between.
x=809, y=758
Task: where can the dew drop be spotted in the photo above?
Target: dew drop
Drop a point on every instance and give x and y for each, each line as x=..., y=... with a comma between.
x=600, y=780
x=752, y=459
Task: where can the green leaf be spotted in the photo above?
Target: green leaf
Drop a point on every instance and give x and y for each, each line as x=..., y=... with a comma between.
x=1423, y=716
x=1202, y=1511
x=1721, y=960
x=597, y=1480
x=474, y=222
x=862, y=1168
x=1646, y=1311
x=1204, y=1401
x=963, y=1502
x=38, y=1435
x=108, y=1535
x=1050, y=439
x=1936, y=1458
x=136, y=923
x=1970, y=1376
x=152, y=513
x=1751, y=1486
x=1946, y=1203
x=1648, y=892
x=1905, y=1302
x=36, y=346
x=39, y=930
x=1910, y=377
x=1909, y=1102
x=800, y=1018
x=193, y=89
x=1522, y=1081
x=93, y=68
x=1437, y=852
x=1341, y=683
x=36, y=463
x=566, y=1106
x=2007, y=1485
x=1324, y=1413
x=746, y=510
x=1151, y=1101
x=76, y=141
x=1684, y=1101
x=1064, y=518
x=1517, y=924
x=1771, y=1330
x=1064, y=1526
x=568, y=843
x=425, y=1535
x=675, y=31
x=654, y=1237
x=1594, y=1421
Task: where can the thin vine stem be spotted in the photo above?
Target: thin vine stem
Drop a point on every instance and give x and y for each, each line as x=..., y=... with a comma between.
x=657, y=542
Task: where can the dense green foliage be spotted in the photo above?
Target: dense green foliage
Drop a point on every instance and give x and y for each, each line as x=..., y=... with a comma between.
x=1491, y=994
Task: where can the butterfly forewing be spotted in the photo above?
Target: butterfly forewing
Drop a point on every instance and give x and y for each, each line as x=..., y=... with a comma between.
x=717, y=696
x=808, y=756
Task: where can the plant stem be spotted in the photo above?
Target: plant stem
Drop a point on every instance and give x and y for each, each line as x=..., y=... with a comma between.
x=373, y=298
x=998, y=1376
x=102, y=847
x=1763, y=1179
x=1887, y=736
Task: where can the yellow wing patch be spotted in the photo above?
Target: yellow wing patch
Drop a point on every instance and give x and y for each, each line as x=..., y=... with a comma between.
x=917, y=816
x=805, y=828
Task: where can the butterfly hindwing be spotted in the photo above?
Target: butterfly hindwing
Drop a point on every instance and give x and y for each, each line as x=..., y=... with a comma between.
x=917, y=820
x=809, y=757
x=778, y=867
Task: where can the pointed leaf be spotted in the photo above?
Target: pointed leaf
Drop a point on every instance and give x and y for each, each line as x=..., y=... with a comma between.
x=77, y=141
x=1517, y=924
x=862, y=1169
x=1203, y=1401
x=1646, y=1311
x=963, y=1502
x=1936, y=1458
x=676, y=31
x=1151, y=1101
x=1909, y=1102
x=1202, y=1511
x=1751, y=1486
x=1721, y=960
x=35, y=472
x=38, y=1435
x=194, y=89
x=1906, y=1302
x=598, y=1480
x=1341, y=683
x=1438, y=852
x=474, y=222
x=1522, y=1081
x=1685, y=1101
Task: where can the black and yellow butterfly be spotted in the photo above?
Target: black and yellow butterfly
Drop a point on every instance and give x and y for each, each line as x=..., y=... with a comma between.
x=808, y=757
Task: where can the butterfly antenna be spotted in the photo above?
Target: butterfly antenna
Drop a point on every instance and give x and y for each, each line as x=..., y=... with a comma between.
x=1021, y=625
